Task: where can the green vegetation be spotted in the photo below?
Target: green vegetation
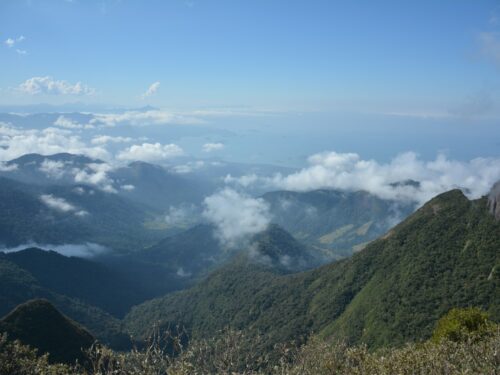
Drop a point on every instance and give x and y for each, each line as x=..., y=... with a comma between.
x=18, y=286
x=38, y=324
x=25, y=219
x=335, y=221
x=459, y=324
x=226, y=356
x=86, y=280
x=392, y=292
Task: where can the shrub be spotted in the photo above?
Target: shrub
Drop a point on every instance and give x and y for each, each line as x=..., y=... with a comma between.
x=459, y=324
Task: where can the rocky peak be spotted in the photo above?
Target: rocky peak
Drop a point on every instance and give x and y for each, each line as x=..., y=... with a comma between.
x=494, y=200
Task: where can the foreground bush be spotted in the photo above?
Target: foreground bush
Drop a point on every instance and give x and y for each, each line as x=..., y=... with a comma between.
x=225, y=356
x=471, y=356
x=18, y=359
x=459, y=324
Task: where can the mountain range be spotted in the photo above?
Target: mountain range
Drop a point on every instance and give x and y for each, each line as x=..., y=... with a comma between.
x=444, y=255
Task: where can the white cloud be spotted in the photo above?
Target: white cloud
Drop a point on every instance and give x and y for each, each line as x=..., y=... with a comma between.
x=48, y=85
x=127, y=187
x=151, y=90
x=21, y=51
x=15, y=142
x=142, y=118
x=348, y=171
x=11, y=42
x=105, y=139
x=151, y=152
x=67, y=123
x=95, y=174
x=189, y=167
x=180, y=215
x=235, y=215
x=85, y=250
x=53, y=168
x=4, y=167
x=209, y=147
x=58, y=204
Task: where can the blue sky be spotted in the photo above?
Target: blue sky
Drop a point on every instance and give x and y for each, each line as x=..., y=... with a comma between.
x=272, y=81
x=391, y=56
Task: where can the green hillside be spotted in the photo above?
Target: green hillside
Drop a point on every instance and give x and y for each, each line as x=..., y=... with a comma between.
x=18, y=286
x=26, y=219
x=86, y=280
x=338, y=222
x=38, y=324
x=444, y=255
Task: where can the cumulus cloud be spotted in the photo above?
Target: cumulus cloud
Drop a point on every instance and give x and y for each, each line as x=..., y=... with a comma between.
x=53, y=168
x=15, y=142
x=189, y=167
x=11, y=42
x=85, y=250
x=48, y=85
x=151, y=152
x=105, y=139
x=210, y=147
x=236, y=216
x=153, y=88
x=58, y=204
x=95, y=174
x=348, y=171
x=67, y=123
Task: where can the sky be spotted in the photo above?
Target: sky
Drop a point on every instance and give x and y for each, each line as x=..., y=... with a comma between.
x=260, y=81
x=425, y=57
x=328, y=94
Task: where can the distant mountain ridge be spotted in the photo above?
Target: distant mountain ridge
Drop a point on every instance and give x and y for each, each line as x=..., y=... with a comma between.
x=336, y=221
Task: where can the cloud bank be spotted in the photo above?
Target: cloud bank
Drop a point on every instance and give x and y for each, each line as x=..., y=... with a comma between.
x=15, y=142
x=85, y=250
x=50, y=86
x=236, y=216
x=210, y=147
x=150, y=152
x=348, y=171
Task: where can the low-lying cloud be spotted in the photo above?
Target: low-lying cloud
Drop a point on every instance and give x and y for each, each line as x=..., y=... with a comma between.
x=150, y=152
x=211, y=147
x=236, y=216
x=392, y=180
x=85, y=250
x=61, y=205
x=15, y=142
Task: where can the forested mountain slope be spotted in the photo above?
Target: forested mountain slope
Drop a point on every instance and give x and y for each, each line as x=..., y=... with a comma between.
x=444, y=255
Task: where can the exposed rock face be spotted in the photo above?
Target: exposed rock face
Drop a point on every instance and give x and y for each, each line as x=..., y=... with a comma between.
x=494, y=200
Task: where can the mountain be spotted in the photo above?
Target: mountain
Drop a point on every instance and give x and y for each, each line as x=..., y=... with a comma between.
x=190, y=255
x=37, y=323
x=38, y=169
x=74, y=214
x=18, y=286
x=444, y=255
x=494, y=200
x=157, y=187
x=338, y=222
x=84, y=279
